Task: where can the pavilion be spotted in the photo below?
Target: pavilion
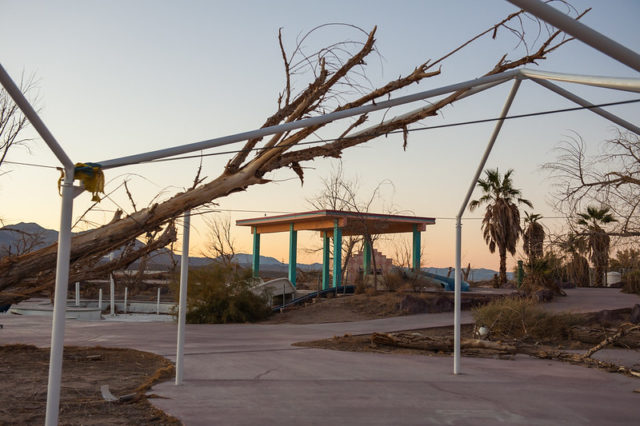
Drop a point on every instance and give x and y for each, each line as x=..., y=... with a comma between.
x=334, y=224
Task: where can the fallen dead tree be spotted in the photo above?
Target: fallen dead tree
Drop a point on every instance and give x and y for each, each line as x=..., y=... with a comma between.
x=336, y=76
x=478, y=347
x=426, y=343
x=89, y=268
x=591, y=335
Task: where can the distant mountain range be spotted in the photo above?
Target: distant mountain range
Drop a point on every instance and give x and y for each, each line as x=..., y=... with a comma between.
x=24, y=235
x=476, y=274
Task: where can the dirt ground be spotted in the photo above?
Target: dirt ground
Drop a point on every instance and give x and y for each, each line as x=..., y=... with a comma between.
x=24, y=374
x=361, y=307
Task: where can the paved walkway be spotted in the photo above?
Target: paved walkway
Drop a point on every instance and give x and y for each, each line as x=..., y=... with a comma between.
x=250, y=374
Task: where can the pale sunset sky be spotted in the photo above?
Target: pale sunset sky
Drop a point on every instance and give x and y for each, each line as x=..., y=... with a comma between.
x=123, y=77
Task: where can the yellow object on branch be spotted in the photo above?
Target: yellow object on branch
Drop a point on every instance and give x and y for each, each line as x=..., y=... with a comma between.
x=91, y=176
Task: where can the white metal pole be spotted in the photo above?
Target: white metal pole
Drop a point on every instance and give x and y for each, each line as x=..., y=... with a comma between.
x=77, y=293
x=36, y=122
x=326, y=118
x=457, y=301
x=60, y=301
x=126, y=293
x=158, y=303
x=624, y=84
x=458, y=275
x=100, y=300
x=580, y=31
x=112, y=290
x=182, y=308
x=583, y=102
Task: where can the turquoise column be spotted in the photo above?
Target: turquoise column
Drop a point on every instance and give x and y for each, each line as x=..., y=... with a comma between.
x=416, y=249
x=366, y=261
x=256, y=253
x=337, y=255
x=325, y=260
x=293, y=247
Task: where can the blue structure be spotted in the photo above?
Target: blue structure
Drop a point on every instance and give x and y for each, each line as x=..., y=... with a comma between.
x=448, y=283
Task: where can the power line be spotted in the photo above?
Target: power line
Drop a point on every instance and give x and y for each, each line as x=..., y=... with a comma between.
x=30, y=164
x=439, y=126
x=415, y=129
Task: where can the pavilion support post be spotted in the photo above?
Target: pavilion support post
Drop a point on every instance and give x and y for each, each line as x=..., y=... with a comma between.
x=337, y=255
x=182, y=309
x=325, y=260
x=366, y=259
x=256, y=253
x=293, y=248
x=416, y=248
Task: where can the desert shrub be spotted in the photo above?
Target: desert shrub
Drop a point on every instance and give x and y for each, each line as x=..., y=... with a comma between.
x=358, y=281
x=632, y=281
x=222, y=294
x=393, y=280
x=521, y=318
x=541, y=274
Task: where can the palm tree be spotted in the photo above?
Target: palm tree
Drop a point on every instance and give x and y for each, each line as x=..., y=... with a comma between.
x=576, y=266
x=533, y=236
x=501, y=223
x=597, y=238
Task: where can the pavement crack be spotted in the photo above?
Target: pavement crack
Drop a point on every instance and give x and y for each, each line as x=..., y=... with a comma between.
x=259, y=376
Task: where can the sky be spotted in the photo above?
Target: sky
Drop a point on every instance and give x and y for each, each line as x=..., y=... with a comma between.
x=120, y=77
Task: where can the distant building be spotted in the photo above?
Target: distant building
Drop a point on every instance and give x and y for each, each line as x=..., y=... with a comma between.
x=356, y=262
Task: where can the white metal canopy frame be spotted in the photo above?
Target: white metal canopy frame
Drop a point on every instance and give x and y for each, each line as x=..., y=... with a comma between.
x=69, y=192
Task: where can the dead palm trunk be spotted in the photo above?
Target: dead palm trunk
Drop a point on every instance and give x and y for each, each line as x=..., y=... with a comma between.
x=503, y=266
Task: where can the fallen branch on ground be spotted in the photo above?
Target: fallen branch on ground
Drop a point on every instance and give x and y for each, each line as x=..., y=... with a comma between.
x=489, y=348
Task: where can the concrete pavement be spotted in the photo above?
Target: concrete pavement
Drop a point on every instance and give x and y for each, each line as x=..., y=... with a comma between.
x=250, y=374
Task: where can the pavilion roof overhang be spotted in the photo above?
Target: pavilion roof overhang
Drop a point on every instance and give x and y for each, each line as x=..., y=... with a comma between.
x=351, y=223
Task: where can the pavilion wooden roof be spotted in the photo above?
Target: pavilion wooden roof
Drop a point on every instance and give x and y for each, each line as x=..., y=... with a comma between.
x=351, y=223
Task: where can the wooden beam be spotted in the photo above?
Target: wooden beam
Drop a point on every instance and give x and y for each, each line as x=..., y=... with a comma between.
x=311, y=225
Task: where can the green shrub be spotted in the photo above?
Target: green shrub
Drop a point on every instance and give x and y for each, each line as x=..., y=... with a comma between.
x=632, y=281
x=222, y=294
x=521, y=318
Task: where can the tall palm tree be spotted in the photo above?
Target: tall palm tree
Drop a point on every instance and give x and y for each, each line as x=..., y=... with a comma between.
x=533, y=236
x=597, y=238
x=501, y=223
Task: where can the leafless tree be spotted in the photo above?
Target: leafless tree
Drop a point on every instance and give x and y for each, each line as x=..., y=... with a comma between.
x=344, y=194
x=12, y=120
x=25, y=243
x=221, y=246
x=610, y=178
x=335, y=83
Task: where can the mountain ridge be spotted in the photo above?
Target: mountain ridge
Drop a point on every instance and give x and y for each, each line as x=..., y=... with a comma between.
x=12, y=235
